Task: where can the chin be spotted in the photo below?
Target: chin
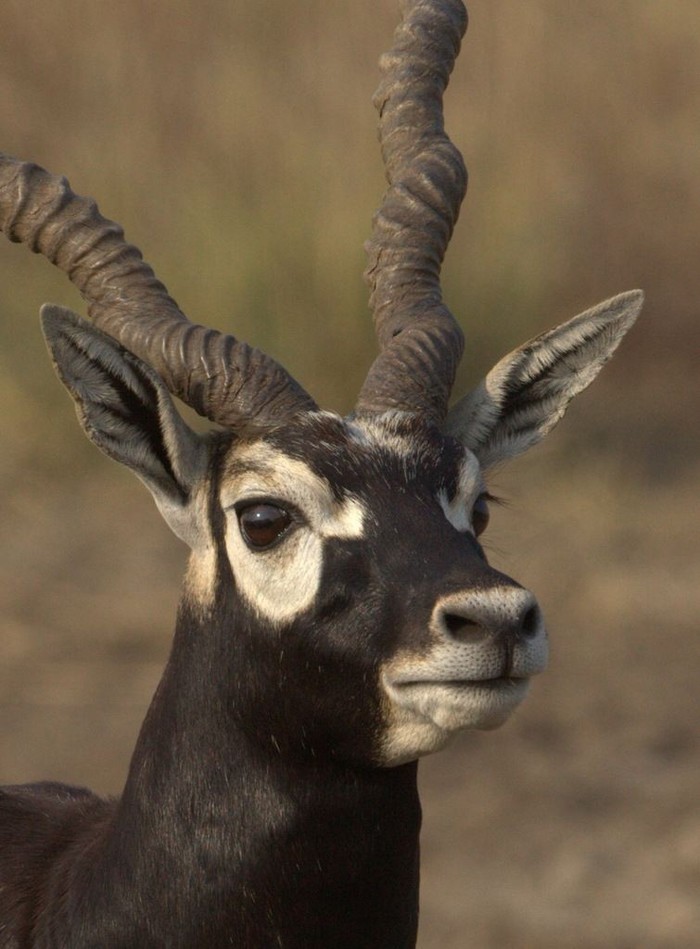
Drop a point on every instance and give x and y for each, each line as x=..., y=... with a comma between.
x=425, y=716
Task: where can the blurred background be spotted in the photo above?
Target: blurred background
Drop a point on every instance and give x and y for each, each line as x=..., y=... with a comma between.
x=235, y=142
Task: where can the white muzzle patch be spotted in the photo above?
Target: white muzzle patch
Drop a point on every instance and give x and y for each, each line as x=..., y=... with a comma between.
x=471, y=680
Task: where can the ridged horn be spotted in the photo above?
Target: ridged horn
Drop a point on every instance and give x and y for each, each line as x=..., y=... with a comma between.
x=223, y=379
x=419, y=339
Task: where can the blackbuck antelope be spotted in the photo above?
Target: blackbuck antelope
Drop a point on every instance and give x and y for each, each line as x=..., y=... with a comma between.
x=338, y=617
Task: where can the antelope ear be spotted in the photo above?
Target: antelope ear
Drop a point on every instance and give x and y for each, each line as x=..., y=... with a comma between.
x=128, y=413
x=528, y=391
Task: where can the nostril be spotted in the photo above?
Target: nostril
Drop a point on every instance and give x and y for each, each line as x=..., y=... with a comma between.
x=530, y=623
x=477, y=618
x=455, y=624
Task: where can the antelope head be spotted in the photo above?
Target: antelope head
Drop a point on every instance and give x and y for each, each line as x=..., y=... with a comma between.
x=336, y=562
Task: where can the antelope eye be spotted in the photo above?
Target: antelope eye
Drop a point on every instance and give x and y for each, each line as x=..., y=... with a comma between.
x=480, y=515
x=262, y=524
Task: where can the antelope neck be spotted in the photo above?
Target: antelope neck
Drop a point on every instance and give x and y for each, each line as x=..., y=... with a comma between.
x=220, y=835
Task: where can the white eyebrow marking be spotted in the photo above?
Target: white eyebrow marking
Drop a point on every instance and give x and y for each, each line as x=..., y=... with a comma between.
x=269, y=471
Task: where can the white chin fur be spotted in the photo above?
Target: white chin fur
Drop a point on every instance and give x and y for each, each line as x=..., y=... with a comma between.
x=424, y=716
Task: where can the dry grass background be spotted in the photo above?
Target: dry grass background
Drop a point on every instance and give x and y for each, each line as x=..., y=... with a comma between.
x=235, y=142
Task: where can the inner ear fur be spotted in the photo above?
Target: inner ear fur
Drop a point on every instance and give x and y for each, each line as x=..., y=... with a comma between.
x=526, y=393
x=125, y=409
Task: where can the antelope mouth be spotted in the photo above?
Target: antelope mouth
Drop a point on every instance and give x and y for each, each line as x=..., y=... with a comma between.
x=502, y=681
x=424, y=714
x=455, y=704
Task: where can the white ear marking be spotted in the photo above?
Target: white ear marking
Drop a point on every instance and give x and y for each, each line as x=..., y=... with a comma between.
x=527, y=392
x=126, y=410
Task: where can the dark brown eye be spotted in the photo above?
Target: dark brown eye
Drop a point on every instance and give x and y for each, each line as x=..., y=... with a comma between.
x=262, y=524
x=480, y=515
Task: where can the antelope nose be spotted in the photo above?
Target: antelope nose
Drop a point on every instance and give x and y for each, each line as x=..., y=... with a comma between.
x=508, y=612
